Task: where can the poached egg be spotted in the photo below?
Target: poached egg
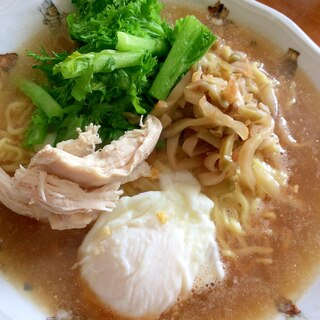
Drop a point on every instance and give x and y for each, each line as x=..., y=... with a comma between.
x=152, y=249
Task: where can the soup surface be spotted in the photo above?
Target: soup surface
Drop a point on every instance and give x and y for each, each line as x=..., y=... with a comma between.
x=40, y=261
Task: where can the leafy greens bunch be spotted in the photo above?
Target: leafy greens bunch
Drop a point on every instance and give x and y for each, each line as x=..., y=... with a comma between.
x=128, y=58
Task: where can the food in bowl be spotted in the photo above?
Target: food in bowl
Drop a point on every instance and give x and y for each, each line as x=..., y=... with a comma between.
x=222, y=211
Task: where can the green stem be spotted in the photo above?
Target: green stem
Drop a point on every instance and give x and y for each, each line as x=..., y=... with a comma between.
x=42, y=99
x=128, y=42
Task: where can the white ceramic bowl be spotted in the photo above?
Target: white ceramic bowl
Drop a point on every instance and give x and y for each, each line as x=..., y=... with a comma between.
x=20, y=19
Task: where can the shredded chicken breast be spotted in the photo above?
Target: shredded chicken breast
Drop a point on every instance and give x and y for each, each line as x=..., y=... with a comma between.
x=70, y=185
x=115, y=161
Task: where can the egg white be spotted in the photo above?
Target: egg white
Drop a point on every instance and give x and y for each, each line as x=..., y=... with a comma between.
x=148, y=252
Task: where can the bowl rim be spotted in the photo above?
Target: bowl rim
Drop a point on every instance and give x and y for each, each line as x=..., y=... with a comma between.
x=288, y=22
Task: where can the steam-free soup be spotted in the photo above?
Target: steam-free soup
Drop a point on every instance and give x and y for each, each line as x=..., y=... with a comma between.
x=40, y=261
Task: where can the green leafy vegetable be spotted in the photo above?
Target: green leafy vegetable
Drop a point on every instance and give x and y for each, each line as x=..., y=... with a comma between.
x=38, y=131
x=82, y=67
x=192, y=40
x=95, y=24
x=113, y=77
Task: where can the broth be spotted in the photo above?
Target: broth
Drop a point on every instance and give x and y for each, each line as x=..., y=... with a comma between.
x=39, y=260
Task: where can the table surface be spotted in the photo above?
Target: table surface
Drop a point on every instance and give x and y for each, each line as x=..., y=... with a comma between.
x=305, y=13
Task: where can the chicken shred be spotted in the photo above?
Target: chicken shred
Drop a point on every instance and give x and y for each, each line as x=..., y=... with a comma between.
x=116, y=160
x=70, y=185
